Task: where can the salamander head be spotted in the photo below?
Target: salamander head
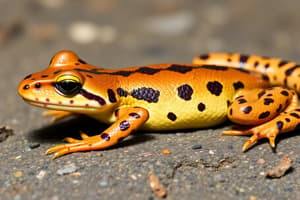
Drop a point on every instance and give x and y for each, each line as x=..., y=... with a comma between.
x=63, y=87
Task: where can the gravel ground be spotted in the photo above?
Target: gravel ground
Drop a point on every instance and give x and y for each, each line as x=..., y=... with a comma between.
x=202, y=164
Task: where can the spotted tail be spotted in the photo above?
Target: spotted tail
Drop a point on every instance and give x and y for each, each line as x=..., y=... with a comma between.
x=279, y=72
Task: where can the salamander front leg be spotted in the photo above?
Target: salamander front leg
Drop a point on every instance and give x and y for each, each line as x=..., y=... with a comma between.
x=130, y=119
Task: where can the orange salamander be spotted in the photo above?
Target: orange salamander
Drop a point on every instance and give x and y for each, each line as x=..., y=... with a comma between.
x=258, y=92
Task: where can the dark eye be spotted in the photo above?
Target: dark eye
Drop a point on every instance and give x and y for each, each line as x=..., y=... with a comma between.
x=68, y=87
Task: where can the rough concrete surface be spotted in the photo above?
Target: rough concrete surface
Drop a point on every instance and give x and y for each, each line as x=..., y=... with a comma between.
x=115, y=34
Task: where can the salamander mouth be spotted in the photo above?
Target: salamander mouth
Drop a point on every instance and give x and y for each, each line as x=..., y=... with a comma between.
x=54, y=106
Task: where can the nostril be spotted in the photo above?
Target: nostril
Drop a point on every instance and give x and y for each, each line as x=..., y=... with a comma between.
x=26, y=87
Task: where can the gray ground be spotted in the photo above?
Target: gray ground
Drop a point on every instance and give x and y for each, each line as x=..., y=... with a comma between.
x=138, y=33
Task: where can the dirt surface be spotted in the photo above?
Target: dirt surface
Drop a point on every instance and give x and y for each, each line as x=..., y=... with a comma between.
x=203, y=164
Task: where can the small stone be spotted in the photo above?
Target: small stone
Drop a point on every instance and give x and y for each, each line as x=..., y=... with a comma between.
x=103, y=184
x=197, y=146
x=67, y=169
x=261, y=161
x=211, y=152
x=34, y=145
x=41, y=174
x=18, y=174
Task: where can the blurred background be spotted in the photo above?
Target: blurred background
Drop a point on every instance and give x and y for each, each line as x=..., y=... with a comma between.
x=116, y=34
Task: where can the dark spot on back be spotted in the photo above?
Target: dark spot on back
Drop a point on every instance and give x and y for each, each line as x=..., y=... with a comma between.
x=241, y=101
x=256, y=64
x=238, y=85
x=214, y=87
x=215, y=67
x=148, y=94
x=282, y=63
x=56, y=72
x=180, y=68
x=287, y=120
x=89, y=76
x=148, y=70
x=185, y=92
x=44, y=76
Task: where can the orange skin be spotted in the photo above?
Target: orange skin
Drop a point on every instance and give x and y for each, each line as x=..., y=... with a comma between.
x=168, y=96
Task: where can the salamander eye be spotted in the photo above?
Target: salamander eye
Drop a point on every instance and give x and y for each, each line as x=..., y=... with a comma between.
x=68, y=85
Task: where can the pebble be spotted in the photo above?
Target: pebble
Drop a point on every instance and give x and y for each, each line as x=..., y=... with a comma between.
x=197, y=146
x=41, y=174
x=173, y=24
x=18, y=174
x=261, y=161
x=34, y=145
x=67, y=169
x=88, y=32
x=103, y=183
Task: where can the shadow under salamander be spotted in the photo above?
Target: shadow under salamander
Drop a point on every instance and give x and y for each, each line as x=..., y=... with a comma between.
x=56, y=132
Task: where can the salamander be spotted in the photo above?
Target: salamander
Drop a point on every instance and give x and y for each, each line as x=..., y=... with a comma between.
x=257, y=92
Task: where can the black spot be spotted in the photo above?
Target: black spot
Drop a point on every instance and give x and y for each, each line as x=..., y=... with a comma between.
x=77, y=63
x=285, y=81
x=264, y=115
x=268, y=101
x=228, y=103
x=148, y=94
x=81, y=61
x=242, y=70
x=230, y=111
x=28, y=76
x=201, y=107
x=243, y=60
x=56, y=72
x=247, y=110
x=185, y=92
x=51, y=60
x=91, y=96
x=116, y=112
x=279, y=125
x=215, y=87
x=267, y=65
x=256, y=64
x=284, y=93
x=171, y=116
x=37, y=85
x=121, y=92
x=241, y=101
x=111, y=96
x=215, y=67
x=26, y=87
x=44, y=76
x=261, y=93
x=89, y=76
x=180, y=68
x=269, y=95
x=148, y=70
x=295, y=115
x=204, y=56
x=122, y=73
x=238, y=85
x=124, y=125
x=105, y=136
x=282, y=63
x=289, y=71
x=287, y=120
x=265, y=77
x=134, y=115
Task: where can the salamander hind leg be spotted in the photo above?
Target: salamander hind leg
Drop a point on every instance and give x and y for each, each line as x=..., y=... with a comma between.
x=130, y=120
x=272, y=111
